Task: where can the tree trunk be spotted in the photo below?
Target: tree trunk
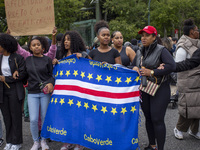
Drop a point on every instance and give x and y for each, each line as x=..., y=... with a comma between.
x=165, y=31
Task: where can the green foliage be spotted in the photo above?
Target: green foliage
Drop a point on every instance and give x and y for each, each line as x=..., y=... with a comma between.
x=128, y=16
x=22, y=40
x=128, y=31
x=67, y=12
x=3, y=24
x=168, y=15
x=165, y=15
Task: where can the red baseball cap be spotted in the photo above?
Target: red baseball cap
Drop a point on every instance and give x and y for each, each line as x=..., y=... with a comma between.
x=149, y=30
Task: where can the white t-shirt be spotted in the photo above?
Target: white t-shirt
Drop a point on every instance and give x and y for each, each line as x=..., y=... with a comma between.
x=5, y=68
x=181, y=54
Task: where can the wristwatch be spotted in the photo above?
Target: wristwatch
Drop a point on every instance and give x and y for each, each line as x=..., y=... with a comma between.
x=152, y=72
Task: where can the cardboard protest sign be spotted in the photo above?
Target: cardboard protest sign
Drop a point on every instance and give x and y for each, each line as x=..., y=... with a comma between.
x=30, y=17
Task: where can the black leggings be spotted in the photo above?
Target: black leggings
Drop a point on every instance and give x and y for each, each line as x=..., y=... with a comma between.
x=154, y=109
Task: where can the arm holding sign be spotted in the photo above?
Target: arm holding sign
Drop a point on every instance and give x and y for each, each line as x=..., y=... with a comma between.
x=52, y=50
x=23, y=52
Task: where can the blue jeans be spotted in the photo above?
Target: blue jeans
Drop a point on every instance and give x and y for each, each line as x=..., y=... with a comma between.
x=26, y=113
x=36, y=102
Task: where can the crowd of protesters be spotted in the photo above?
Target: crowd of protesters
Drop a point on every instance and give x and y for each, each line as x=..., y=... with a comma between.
x=154, y=59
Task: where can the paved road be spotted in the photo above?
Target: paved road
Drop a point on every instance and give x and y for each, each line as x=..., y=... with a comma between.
x=189, y=143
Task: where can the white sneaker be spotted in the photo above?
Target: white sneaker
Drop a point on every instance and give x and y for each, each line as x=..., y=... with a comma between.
x=35, y=146
x=16, y=147
x=66, y=146
x=197, y=135
x=44, y=145
x=78, y=147
x=8, y=146
x=1, y=142
x=178, y=134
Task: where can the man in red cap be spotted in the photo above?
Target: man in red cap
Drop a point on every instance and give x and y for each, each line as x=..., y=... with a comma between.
x=154, y=107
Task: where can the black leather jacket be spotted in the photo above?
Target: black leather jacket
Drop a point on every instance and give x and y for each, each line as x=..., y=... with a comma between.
x=150, y=57
x=190, y=63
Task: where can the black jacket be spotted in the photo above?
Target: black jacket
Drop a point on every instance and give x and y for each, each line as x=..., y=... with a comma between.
x=16, y=62
x=153, y=61
x=150, y=58
x=190, y=63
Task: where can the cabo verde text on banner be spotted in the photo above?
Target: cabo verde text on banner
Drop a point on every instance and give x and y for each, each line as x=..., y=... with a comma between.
x=93, y=105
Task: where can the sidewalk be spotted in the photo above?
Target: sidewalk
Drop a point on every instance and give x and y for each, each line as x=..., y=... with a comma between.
x=171, y=118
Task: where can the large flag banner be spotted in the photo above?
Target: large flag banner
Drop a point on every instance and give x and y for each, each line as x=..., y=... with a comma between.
x=30, y=17
x=94, y=105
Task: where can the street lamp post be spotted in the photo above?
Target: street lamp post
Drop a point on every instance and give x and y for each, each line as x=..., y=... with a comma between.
x=97, y=11
x=149, y=12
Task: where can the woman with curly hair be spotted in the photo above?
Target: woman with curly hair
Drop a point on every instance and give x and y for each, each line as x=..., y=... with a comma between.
x=11, y=90
x=72, y=43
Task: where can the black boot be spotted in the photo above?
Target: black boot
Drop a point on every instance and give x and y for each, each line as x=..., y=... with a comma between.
x=150, y=148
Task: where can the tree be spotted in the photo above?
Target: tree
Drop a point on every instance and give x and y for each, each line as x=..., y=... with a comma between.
x=128, y=17
x=186, y=9
x=67, y=12
x=3, y=24
x=126, y=29
x=167, y=15
x=162, y=17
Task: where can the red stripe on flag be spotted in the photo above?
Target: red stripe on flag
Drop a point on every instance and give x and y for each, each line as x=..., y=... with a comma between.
x=97, y=93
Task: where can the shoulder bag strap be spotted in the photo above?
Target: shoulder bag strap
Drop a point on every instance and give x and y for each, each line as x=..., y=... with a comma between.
x=35, y=70
x=162, y=79
x=141, y=61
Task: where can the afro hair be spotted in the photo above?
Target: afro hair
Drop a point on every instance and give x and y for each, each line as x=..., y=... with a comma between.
x=8, y=43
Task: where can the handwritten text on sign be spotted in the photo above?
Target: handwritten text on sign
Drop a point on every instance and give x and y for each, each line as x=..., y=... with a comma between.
x=30, y=17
